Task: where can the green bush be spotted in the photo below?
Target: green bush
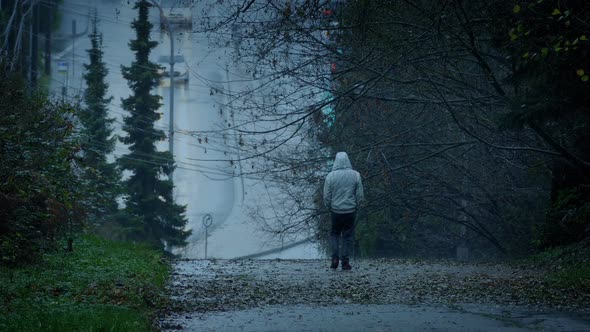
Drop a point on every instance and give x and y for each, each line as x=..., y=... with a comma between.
x=568, y=220
x=39, y=188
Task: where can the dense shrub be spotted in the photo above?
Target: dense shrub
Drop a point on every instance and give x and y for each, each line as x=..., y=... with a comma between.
x=40, y=187
x=568, y=219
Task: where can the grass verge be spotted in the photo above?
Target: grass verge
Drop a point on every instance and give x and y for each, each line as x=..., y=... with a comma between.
x=568, y=267
x=101, y=286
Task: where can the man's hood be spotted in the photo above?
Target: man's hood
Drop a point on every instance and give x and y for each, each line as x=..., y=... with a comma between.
x=341, y=161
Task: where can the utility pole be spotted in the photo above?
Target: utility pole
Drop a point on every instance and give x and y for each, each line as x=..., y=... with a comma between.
x=171, y=75
x=35, y=46
x=19, y=55
x=73, y=48
x=29, y=68
x=171, y=126
x=236, y=135
x=49, y=8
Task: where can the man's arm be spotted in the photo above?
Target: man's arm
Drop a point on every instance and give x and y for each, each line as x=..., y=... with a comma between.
x=327, y=192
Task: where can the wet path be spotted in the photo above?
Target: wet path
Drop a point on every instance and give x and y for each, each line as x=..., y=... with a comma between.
x=393, y=317
x=378, y=295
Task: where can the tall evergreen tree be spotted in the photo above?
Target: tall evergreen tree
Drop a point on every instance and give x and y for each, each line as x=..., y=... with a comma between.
x=98, y=141
x=149, y=200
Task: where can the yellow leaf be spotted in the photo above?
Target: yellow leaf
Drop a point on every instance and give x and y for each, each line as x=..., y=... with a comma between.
x=583, y=37
x=584, y=78
x=580, y=72
x=512, y=35
x=516, y=9
x=556, y=12
x=544, y=51
x=526, y=55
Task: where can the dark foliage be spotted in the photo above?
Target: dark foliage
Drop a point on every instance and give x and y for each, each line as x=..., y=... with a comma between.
x=41, y=184
x=551, y=51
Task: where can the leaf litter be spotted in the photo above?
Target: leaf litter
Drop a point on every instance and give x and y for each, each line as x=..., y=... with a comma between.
x=202, y=286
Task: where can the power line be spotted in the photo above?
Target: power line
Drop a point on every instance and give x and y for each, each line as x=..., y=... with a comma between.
x=192, y=134
x=73, y=11
x=178, y=139
x=115, y=105
x=164, y=161
x=195, y=74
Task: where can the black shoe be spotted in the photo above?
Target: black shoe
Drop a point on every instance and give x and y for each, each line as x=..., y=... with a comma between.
x=346, y=265
x=334, y=263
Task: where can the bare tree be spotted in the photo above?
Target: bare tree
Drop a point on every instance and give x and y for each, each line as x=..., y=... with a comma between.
x=416, y=92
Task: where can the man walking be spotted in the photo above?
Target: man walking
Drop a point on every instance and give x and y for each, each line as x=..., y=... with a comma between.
x=343, y=193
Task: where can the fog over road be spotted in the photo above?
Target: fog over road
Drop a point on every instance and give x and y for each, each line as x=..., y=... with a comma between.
x=207, y=182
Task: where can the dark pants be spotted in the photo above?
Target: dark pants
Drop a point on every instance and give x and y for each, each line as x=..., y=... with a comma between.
x=342, y=224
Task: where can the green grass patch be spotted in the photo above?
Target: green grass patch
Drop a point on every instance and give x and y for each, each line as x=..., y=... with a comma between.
x=101, y=286
x=567, y=267
x=44, y=82
x=572, y=277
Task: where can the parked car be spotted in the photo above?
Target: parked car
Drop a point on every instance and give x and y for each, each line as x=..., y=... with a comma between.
x=180, y=74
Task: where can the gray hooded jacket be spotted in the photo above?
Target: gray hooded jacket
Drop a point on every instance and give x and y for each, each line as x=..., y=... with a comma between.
x=343, y=189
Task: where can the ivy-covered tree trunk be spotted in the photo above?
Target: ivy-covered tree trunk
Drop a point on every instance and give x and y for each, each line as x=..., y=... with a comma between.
x=97, y=140
x=157, y=219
